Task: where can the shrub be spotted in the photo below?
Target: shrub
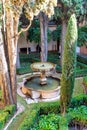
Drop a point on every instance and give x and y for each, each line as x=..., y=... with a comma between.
x=79, y=100
x=10, y=109
x=78, y=115
x=48, y=122
x=5, y=114
x=3, y=118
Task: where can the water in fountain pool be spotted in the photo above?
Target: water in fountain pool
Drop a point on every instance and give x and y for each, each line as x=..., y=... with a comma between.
x=34, y=83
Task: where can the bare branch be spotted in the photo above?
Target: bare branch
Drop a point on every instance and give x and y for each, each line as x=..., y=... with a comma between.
x=23, y=30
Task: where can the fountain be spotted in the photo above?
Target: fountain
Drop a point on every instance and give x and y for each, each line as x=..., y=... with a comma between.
x=42, y=84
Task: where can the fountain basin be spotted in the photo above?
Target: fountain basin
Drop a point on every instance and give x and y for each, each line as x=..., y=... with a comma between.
x=32, y=88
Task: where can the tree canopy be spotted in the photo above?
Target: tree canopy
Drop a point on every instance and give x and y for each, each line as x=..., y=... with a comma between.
x=66, y=7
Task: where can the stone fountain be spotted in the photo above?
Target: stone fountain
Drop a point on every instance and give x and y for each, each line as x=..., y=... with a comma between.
x=42, y=84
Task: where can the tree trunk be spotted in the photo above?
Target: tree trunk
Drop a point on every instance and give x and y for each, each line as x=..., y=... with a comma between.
x=18, y=59
x=63, y=33
x=4, y=73
x=4, y=79
x=43, y=27
x=8, y=54
x=11, y=42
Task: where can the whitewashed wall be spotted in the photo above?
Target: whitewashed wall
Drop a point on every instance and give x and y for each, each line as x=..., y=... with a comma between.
x=22, y=42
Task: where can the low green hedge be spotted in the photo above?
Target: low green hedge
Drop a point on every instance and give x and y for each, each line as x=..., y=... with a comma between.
x=79, y=100
x=23, y=70
x=49, y=107
x=85, y=80
x=10, y=109
x=81, y=59
x=5, y=114
x=82, y=65
x=30, y=119
x=80, y=73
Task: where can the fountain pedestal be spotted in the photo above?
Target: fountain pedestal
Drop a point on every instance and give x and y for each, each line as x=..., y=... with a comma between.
x=43, y=79
x=42, y=67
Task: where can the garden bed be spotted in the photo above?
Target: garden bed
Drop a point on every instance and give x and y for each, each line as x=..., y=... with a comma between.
x=46, y=116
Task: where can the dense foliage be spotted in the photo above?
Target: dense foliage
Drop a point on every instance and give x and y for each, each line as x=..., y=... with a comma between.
x=67, y=7
x=56, y=34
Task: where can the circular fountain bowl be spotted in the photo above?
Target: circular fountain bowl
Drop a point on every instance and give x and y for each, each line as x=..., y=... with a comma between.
x=34, y=89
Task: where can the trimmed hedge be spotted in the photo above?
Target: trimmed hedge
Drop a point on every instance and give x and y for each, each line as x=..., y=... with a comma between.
x=80, y=73
x=50, y=107
x=23, y=70
x=30, y=119
x=81, y=59
x=79, y=100
x=6, y=114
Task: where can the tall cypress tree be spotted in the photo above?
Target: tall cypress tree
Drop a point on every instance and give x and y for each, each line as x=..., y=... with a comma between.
x=69, y=64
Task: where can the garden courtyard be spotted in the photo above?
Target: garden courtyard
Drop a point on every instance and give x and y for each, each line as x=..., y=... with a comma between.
x=45, y=111
x=43, y=65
